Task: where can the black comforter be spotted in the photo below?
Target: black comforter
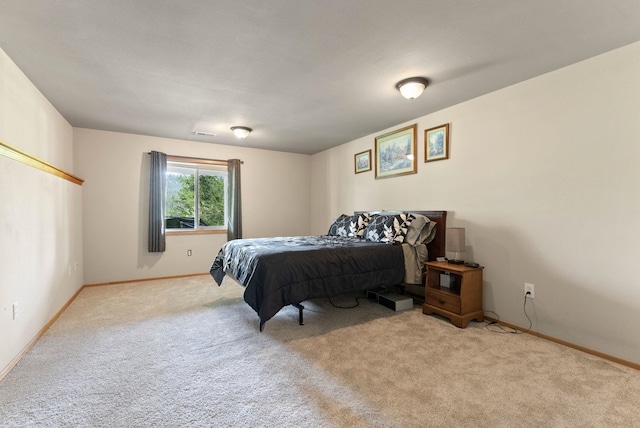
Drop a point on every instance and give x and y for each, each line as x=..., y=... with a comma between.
x=281, y=271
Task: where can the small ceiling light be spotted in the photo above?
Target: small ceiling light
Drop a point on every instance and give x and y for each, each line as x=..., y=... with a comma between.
x=241, y=131
x=412, y=87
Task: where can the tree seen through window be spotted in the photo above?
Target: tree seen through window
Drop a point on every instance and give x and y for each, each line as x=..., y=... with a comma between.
x=195, y=204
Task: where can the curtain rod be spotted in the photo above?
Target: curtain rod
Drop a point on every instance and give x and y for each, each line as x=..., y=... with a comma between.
x=198, y=159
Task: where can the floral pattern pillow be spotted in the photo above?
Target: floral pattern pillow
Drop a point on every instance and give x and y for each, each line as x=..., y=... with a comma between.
x=341, y=226
x=349, y=225
x=388, y=228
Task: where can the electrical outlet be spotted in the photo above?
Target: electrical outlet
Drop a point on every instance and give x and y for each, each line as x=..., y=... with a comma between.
x=189, y=253
x=528, y=291
x=15, y=310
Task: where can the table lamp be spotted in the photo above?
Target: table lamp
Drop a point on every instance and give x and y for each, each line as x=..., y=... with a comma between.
x=456, y=243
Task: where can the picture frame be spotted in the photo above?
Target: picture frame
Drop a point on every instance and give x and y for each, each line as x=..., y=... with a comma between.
x=395, y=152
x=436, y=143
x=362, y=161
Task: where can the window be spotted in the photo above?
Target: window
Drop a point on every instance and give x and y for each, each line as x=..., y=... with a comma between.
x=196, y=195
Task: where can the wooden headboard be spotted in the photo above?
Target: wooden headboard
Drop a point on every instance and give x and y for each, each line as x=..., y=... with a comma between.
x=437, y=247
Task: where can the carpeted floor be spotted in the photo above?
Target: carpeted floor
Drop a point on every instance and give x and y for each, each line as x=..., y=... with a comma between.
x=184, y=352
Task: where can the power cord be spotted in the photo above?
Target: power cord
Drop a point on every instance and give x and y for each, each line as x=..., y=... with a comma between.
x=524, y=308
x=347, y=307
x=503, y=329
x=500, y=328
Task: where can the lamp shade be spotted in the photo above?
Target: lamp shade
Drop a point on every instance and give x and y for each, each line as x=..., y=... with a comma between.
x=412, y=87
x=455, y=240
x=241, y=131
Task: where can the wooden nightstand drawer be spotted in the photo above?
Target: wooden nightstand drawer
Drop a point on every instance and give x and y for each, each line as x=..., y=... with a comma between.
x=443, y=300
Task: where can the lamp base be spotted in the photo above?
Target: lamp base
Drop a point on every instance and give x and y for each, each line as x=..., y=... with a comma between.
x=456, y=262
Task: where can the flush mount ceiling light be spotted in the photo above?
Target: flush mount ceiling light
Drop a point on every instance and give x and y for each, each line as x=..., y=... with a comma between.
x=241, y=131
x=412, y=87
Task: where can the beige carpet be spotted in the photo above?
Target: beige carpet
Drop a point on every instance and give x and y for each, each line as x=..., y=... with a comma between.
x=184, y=352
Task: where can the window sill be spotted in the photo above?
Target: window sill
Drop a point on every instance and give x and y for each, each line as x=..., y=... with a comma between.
x=196, y=232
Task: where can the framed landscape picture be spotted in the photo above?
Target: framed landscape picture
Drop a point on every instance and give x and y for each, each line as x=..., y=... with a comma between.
x=436, y=143
x=362, y=161
x=396, y=153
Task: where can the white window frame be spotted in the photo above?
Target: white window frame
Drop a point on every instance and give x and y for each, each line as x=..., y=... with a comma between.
x=196, y=165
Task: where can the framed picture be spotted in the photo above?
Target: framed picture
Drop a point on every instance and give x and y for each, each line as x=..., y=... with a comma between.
x=396, y=153
x=362, y=161
x=436, y=143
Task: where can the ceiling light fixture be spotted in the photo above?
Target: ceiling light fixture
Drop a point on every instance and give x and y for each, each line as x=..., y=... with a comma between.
x=412, y=87
x=241, y=131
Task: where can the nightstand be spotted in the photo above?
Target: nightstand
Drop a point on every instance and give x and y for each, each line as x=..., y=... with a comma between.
x=454, y=291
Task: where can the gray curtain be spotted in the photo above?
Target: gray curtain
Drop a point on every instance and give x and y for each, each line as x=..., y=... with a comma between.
x=234, y=216
x=157, y=198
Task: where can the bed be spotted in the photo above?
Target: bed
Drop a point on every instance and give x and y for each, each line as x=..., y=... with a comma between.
x=363, y=251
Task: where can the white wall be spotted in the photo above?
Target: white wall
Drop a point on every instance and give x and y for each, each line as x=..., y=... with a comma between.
x=40, y=214
x=115, y=166
x=544, y=176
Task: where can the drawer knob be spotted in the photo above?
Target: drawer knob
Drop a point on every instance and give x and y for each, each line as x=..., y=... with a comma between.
x=442, y=302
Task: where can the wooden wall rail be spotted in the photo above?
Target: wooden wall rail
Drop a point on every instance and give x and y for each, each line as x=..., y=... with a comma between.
x=25, y=158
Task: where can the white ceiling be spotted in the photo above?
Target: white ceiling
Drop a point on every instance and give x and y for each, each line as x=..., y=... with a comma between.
x=306, y=75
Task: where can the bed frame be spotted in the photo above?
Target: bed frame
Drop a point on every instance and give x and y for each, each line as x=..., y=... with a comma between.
x=436, y=248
